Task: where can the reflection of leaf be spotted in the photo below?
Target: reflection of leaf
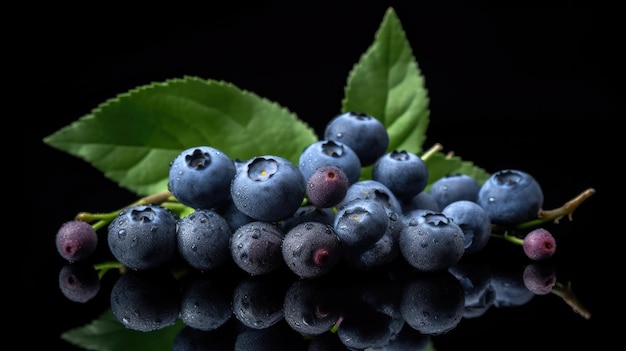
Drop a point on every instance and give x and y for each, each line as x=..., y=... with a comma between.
x=107, y=334
x=440, y=165
x=133, y=137
x=387, y=84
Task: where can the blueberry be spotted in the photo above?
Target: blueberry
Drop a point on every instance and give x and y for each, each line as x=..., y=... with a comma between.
x=432, y=242
x=146, y=300
x=373, y=190
x=327, y=186
x=330, y=153
x=268, y=188
x=256, y=247
x=365, y=134
x=454, y=187
x=403, y=172
x=539, y=244
x=360, y=223
x=200, y=177
x=203, y=239
x=143, y=236
x=511, y=197
x=79, y=282
x=473, y=220
x=76, y=240
x=311, y=249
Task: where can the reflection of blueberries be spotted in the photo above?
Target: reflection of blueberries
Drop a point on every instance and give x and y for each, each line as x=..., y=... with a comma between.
x=146, y=300
x=191, y=339
x=433, y=303
x=258, y=301
x=475, y=277
x=508, y=283
x=539, y=278
x=371, y=316
x=206, y=301
x=310, y=307
x=408, y=339
x=327, y=341
x=276, y=337
x=79, y=282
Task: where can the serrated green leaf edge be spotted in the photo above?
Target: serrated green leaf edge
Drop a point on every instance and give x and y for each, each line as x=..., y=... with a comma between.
x=134, y=136
x=387, y=84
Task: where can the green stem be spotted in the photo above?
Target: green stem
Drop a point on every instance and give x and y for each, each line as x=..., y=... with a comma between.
x=508, y=237
x=434, y=149
x=555, y=215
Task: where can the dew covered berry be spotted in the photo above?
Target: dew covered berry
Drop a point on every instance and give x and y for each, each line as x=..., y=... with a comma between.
x=432, y=242
x=311, y=249
x=143, y=236
x=203, y=239
x=539, y=244
x=256, y=247
x=327, y=186
x=76, y=240
x=360, y=223
x=363, y=133
x=268, y=188
x=330, y=153
x=200, y=177
x=454, y=187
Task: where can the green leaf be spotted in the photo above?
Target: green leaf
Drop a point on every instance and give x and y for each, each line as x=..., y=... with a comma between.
x=134, y=136
x=387, y=84
x=106, y=333
x=440, y=165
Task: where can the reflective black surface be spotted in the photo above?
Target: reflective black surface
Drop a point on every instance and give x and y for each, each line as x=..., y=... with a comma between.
x=537, y=89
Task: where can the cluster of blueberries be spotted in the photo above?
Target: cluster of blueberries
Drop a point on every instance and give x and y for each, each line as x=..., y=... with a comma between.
x=266, y=212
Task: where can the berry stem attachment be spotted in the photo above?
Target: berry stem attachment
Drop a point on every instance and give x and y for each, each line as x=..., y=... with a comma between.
x=554, y=215
x=565, y=292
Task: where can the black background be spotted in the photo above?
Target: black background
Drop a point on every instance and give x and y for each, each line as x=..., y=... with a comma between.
x=533, y=87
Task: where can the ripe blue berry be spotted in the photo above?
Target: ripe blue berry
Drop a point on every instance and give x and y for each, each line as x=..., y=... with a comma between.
x=200, y=177
x=403, y=172
x=268, y=188
x=432, y=242
x=539, y=244
x=454, y=187
x=421, y=201
x=327, y=186
x=76, y=240
x=511, y=197
x=203, y=239
x=360, y=223
x=330, y=153
x=366, y=135
x=474, y=222
x=256, y=247
x=143, y=236
x=309, y=213
x=311, y=249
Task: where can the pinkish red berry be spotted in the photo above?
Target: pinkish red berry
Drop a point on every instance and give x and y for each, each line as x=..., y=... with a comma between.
x=539, y=244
